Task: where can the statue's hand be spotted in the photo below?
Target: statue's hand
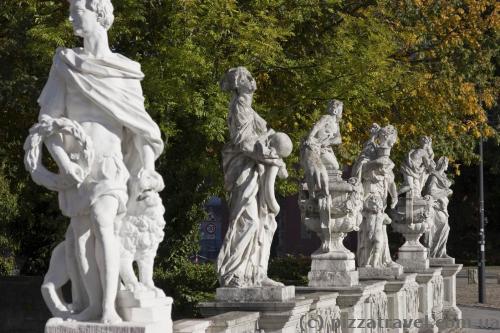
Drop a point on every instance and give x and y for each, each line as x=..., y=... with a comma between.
x=71, y=174
x=282, y=173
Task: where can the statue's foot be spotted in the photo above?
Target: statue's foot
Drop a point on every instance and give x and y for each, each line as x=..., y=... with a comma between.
x=267, y=282
x=158, y=292
x=111, y=317
x=89, y=314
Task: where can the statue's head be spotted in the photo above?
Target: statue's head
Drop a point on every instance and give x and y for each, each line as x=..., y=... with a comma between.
x=89, y=15
x=425, y=141
x=238, y=80
x=334, y=108
x=386, y=137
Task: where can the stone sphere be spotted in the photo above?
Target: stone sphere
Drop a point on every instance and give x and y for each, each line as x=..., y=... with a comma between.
x=281, y=143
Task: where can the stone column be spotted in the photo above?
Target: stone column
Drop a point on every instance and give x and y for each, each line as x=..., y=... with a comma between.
x=449, y=273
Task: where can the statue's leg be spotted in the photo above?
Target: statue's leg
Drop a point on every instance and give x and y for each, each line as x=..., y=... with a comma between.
x=127, y=272
x=103, y=215
x=146, y=264
x=78, y=293
x=87, y=266
x=55, y=278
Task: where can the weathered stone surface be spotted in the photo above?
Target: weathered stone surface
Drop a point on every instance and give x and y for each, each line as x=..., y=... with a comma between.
x=449, y=273
x=333, y=265
x=441, y=261
x=413, y=258
x=257, y=294
x=430, y=296
x=364, y=301
x=380, y=273
x=280, y=316
x=402, y=301
x=58, y=326
x=333, y=279
x=192, y=325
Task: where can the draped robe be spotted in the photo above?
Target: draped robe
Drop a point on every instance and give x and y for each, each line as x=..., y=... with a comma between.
x=113, y=85
x=243, y=258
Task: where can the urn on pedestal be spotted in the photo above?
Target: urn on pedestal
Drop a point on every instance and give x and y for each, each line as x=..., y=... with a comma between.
x=330, y=206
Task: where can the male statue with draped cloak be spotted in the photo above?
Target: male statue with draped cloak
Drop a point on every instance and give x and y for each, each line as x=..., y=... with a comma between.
x=93, y=102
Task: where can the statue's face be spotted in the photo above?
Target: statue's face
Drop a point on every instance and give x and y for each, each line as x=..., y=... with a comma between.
x=246, y=83
x=84, y=20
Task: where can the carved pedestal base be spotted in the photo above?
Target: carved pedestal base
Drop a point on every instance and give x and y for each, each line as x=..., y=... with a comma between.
x=361, y=306
x=144, y=307
x=449, y=273
x=413, y=257
x=257, y=294
x=142, y=312
x=430, y=298
x=402, y=303
x=328, y=270
x=234, y=322
x=380, y=273
x=56, y=325
x=290, y=316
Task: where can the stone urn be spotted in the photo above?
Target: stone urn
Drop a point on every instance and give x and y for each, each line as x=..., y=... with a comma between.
x=331, y=217
x=412, y=217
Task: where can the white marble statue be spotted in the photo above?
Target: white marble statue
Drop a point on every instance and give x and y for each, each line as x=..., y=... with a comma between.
x=417, y=166
x=94, y=96
x=374, y=169
x=438, y=187
x=251, y=161
x=318, y=159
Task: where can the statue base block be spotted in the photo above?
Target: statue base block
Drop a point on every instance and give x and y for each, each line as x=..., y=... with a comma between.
x=256, y=294
x=57, y=325
x=441, y=261
x=144, y=307
x=413, y=258
x=278, y=316
x=333, y=279
x=380, y=273
x=327, y=270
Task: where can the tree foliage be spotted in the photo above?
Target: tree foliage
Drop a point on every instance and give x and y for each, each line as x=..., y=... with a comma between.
x=425, y=66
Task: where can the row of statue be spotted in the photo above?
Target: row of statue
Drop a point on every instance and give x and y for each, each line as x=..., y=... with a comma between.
x=93, y=122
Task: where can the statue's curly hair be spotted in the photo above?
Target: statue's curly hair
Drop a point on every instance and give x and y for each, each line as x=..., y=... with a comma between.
x=103, y=9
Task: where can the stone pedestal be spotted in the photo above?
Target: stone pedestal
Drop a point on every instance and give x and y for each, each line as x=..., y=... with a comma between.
x=380, y=273
x=256, y=294
x=402, y=303
x=430, y=298
x=142, y=312
x=333, y=270
x=56, y=325
x=277, y=311
x=449, y=272
x=358, y=304
x=229, y=322
x=144, y=307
